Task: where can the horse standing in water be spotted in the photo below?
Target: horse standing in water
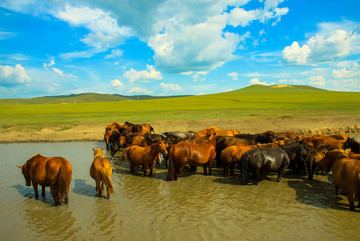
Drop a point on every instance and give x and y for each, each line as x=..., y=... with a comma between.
x=260, y=160
x=193, y=154
x=101, y=171
x=145, y=156
x=55, y=172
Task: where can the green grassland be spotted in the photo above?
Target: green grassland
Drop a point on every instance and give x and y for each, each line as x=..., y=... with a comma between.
x=253, y=101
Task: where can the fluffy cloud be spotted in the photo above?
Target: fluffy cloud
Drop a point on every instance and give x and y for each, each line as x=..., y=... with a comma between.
x=144, y=75
x=172, y=87
x=58, y=71
x=256, y=81
x=12, y=76
x=47, y=65
x=137, y=90
x=117, y=83
x=233, y=75
x=323, y=48
x=104, y=30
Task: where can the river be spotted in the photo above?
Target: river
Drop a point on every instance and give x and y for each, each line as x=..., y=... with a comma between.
x=196, y=207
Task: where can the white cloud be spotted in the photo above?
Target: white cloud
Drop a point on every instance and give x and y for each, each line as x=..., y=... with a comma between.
x=345, y=73
x=114, y=54
x=12, y=76
x=104, y=30
x=233, y=75
x=256, y=81
x=144, y=75
x=323, y=48
x=317, y=80
x=117, y=83
x=198, y=77
x=58, y=71
x=172, y=87
x=52, y=62
x=137, y=90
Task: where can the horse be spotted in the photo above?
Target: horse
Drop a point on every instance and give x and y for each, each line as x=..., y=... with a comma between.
x=145, y=156
x=313, y=158
x=352, y=144
x=346, y=174
x=176, y=136
x=232, y=155
x=101, y=171
x=126, y=141
x=55, y=172
x=219, y=132
x=297, y=153
x=261, y=160
x=191, y=153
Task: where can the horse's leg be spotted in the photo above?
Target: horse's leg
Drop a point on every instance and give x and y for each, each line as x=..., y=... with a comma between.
x=350, y=197
x=102, y=187
x=337, y=190
x=43, y=191
x=132, y=168
x=35, y=186
x=151, y=169
x=98, y=190
x=281, y=171
x=256, y=175
x=145, y=169
x=232, y=169
x=204, y=166
x=210, y=165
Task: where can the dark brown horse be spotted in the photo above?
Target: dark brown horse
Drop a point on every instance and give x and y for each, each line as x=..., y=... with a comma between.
x=193, y=154
x=55, y=172
x=352, y=144
x=145, y=156
x=101, y=171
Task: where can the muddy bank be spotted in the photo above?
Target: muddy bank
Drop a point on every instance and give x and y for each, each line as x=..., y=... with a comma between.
x=95, y=131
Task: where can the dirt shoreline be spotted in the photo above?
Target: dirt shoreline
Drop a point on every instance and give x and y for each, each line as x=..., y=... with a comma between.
x=95, y=131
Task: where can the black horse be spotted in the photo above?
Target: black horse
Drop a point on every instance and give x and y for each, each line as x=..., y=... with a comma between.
x=263, y=160
x=352, y=144
x=297, y=152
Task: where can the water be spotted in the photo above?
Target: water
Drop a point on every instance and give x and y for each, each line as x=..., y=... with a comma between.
x=196, y=207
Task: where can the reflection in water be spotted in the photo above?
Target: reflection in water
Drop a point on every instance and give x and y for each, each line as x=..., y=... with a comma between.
x=196, y=207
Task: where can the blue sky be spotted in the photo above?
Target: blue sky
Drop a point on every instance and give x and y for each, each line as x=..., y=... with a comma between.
x=171, y=47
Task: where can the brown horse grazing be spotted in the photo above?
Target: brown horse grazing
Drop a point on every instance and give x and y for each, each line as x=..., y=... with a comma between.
x=193, y=154
x=55, y=172
x=101, y=171
x=145, y=156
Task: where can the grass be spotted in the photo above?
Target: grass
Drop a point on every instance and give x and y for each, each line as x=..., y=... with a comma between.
x=258, y=101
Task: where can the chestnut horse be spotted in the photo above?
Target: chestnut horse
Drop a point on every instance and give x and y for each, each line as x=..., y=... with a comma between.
x=145, y=156
x=346, y=174
x=193, y=154
x=101, y=171
x=55, y=172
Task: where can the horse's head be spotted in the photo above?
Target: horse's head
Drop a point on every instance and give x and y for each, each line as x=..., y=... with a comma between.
x=162, y=147
x=98, y=153
x=25, y=172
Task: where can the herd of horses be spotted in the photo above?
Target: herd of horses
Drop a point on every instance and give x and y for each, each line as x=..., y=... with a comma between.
x=254, y=155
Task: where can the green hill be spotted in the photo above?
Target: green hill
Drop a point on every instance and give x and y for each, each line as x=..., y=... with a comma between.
x=277, y=89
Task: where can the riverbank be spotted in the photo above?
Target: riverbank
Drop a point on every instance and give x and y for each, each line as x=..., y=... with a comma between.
x=95, y=131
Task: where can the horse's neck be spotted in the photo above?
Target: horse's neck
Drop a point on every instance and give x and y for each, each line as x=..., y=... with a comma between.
x=154, y=149
x=212, y=140
x=292, y=148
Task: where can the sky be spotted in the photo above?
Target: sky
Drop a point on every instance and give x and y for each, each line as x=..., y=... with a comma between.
x=171, y=47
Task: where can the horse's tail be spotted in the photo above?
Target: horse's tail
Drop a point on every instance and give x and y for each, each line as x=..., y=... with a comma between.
x=244, y=169
x=62, y=184
x=171, y=169
x=124, y=155
x=105, y=177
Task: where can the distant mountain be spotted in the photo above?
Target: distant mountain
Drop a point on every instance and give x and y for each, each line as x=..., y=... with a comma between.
x=79, y=98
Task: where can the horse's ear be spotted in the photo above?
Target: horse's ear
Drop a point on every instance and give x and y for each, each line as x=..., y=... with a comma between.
x=21, y=167
x=93, y=149
x=102, y=148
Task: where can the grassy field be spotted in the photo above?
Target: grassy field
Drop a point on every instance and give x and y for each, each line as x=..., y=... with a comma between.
x=253, y=101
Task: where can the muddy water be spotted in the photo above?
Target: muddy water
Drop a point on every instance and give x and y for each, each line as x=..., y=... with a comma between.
x=196, y=207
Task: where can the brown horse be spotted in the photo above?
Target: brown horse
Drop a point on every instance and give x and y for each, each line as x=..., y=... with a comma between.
x=145, y=156
x=101, y=171
x=193, y=154
x=219, y=132
x=55, y=172
x=346, y=174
